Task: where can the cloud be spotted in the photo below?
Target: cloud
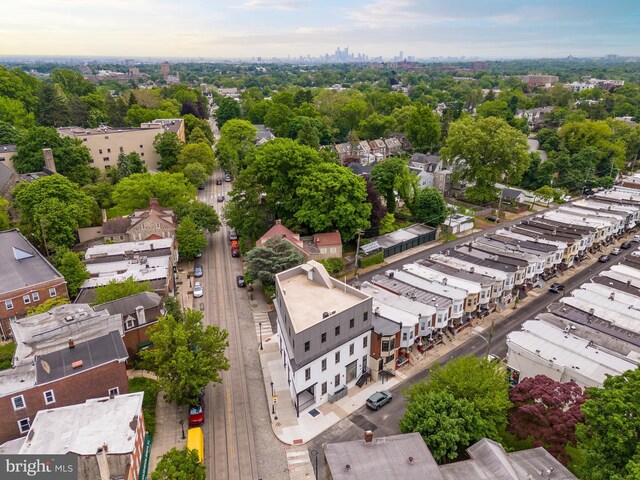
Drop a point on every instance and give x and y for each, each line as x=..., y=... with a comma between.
x=272, y=5
x=506, y=19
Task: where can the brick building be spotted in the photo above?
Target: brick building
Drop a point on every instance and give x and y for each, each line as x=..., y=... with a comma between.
x=63, y=357
x=27, y=279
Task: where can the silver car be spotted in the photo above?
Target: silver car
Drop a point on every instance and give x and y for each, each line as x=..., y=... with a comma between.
x=198, y=291
x=379, y=399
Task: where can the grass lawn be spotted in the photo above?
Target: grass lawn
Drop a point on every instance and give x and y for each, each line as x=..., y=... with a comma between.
x=6, y=354
x=150, y=389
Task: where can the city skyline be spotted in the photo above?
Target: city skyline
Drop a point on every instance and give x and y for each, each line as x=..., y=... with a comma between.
x=287, y=28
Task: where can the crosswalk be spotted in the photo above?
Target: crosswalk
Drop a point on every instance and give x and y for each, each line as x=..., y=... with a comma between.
x=262, y=326
x=299, y=463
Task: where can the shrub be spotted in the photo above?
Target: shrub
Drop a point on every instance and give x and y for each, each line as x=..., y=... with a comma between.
x=6, y=355
x=150, y=388
x=333, y=265
x=372, y=260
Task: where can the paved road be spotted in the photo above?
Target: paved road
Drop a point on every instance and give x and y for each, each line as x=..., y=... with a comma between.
x=384, y=422
x=239, y=441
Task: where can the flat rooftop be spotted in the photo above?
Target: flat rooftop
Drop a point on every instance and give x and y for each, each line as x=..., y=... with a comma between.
x=567, y=350
x=84, y=428
x=127, y=247
x=398, y=301
x=309, y=292
x=155, y=268
x=435, y=276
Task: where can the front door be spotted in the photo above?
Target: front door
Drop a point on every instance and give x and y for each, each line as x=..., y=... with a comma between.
x=352, y=371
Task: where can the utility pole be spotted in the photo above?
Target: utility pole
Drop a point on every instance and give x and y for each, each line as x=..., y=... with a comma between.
x=490, y=338
x=500, y=201
x=358, y=250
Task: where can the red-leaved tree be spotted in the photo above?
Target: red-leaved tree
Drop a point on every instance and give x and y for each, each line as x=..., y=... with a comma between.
x=547, y=411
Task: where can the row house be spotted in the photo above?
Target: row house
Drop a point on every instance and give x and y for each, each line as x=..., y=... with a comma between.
x=521, y=264
x=548, y=256
x=584, y=234
x=369, y=150
x=617, y=222
x=442, y=305
x=504, y=274
x=535, y=265
x=631, y=213
x=471, y=290
x=27, y=279
x=324, y=330
x=556, y=248
x=63, y=357
x=601, y=229
x=542, y=232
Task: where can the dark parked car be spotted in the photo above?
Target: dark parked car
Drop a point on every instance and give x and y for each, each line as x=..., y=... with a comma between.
x=626, y=245
x=604, y=258
x=201, y=186
x=197, y=271
x=556, y=288
x=379, y=399
x=196, y=413
x=240, y=281
x=219, y=181
x=493, y=219
x=220, y=198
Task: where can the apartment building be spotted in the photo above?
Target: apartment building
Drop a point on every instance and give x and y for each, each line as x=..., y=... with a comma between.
x=106, y=143
x=325, y=334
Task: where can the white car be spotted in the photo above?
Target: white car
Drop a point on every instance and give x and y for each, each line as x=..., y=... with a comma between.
x=198, y=291
x=615, y=251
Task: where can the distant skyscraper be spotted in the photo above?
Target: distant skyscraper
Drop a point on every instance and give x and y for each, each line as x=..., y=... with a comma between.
x=165, y=69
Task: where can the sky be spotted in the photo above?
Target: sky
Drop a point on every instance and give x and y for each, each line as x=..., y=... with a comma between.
x=279, y=28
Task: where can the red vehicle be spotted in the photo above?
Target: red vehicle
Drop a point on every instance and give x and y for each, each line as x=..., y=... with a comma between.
x=196, y=413
x=235, y=249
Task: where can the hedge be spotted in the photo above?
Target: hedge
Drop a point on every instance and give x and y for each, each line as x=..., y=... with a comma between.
x=372, y=260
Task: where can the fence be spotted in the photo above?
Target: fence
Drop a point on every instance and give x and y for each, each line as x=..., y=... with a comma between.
x=339, y=394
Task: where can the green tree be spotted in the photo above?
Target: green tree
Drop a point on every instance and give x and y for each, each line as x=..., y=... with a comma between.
x=308, y=135
x=495, y=108
x=72, y=82
x=477, y=380
x=191, y=122
x=446, y=423
x=200, y=153
x=274, y=256
x=331, y=197
x=180, y=465
x=46, y=306
x=187, y=356
x=70, y=265
x=386, y=176
x=430, y=207
x=191, y=239
x=13, y=112
x=204, y=215
x=609, y=439
x=195, y=173
x=277, y=118
x=171, y=189
x=545, y=193
x=377, y=126
x=52, y=209
x=168, y=145
x=198, y=136
x=228, y=108
x=4, y=214
x=486, y=151
x=237, y=138
x=422, y=129
x=115, y=290
x=101, y=192
x=128, y=164
x=53, y=109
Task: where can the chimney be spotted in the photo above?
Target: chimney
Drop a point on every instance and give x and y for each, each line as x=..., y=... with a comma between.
x=103, y=463
x=368, y=436
x=72, y=344
x=104, y=216
x=153, y=202
x=142, y=319
x=278, y=222
x=49, y=162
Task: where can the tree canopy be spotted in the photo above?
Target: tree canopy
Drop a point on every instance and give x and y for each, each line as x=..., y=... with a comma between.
x=115, y=290
x=204, y=215
x=171, y=190
x=187, y=355
x=430, y=207
x=72, y=269
x=168, y=145
x=180, y=465
x=274, y=256
x=191, y=239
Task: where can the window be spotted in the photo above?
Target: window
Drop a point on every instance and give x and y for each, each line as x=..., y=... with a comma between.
x=365, y=316
x=338, y=330
x=130, y=323
x=26, y=299
x=35, y=296
x=404, y=337
x=52, y=292
x=307, y=346
x=49, y=397
x=121, y=150
x=105, y=159
x=352, y=323
x=351, y=349
x=9, y=304
x=337, y=357
x=114, y=391
x=323, y=337
x=24, y=425
x=365, y=342
x=324, y=388
x=107, y=167
x=332, y=250
x=307, y=374
x=84, y=139
x=324, y=364
x=337, y=380
x=142, y=154
x=108, y=150
x=18, y=402
x=141, y=146
x=106, y=137
x=100, y=151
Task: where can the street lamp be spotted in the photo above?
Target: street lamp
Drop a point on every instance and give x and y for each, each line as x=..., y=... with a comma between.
x=181, y=422
x=260, y=324
x=315, y=458
x=272, y=389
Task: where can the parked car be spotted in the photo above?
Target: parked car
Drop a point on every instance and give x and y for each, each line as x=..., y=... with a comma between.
x=201, y=186
x=220, y=198
x=196, y=413
x=227, y=178
x=604, y=258
x=199, y=255
x=219, y=181
x=636, y=238
x=626, y=245
x=556, y=288
x=197, y=271
x=493, y=219
x=198, y=291
x=379, y=399
x=615, y=251
x=240, y=281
